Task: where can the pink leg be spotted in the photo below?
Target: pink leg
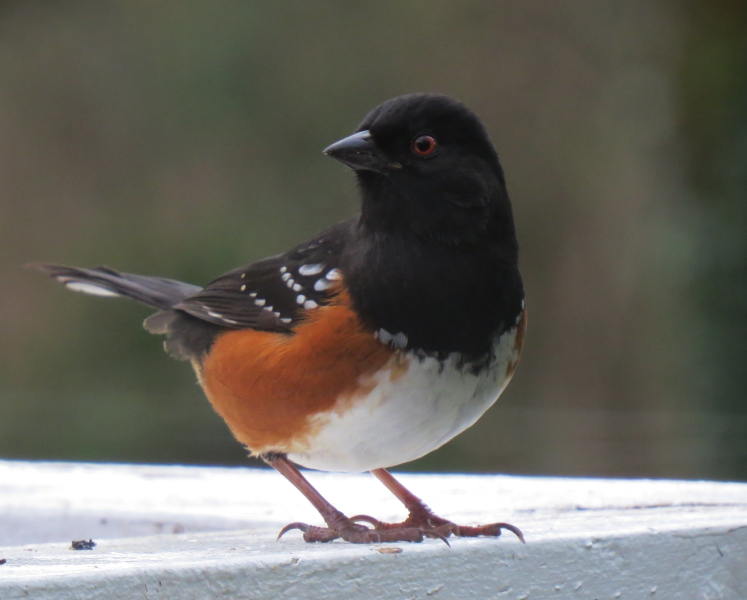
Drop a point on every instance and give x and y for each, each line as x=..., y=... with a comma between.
x=338, y=525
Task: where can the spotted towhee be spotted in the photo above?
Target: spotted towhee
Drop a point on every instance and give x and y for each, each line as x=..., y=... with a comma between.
x=378, y=340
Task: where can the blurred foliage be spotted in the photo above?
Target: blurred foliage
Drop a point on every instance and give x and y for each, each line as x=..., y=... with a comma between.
x=714, y=88
x=184, y=139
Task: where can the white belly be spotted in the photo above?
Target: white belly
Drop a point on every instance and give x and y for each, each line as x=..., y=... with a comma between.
x=410, y=408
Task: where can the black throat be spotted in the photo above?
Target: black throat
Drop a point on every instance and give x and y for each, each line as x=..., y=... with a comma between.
x=444, y=295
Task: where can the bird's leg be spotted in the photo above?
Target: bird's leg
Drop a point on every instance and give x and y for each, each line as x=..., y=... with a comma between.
x=338, y=525
x=422, y=517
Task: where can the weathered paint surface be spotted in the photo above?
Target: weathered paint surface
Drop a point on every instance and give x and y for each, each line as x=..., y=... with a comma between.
x=586, y=538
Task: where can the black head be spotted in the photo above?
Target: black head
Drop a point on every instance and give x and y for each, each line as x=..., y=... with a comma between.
x=427, y=168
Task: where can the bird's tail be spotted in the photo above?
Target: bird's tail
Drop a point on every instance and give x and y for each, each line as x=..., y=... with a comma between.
x=102, y=281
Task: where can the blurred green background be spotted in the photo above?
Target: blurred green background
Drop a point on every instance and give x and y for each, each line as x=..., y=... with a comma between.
x=184, y=139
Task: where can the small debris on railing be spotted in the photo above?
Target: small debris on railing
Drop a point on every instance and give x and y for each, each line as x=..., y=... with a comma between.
x=82, y=545
x=390, y=550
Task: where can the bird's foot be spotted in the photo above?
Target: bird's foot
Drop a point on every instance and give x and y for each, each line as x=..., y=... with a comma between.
x=352, y=532
x=423, y=519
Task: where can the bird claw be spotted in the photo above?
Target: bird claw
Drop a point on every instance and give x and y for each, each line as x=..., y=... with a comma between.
x=440, y=527
x=311, y=533
x=359, y=534
x=491, y=530
x=367, y=519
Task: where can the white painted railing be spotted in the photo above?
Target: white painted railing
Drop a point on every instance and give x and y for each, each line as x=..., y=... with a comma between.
x=204, y=533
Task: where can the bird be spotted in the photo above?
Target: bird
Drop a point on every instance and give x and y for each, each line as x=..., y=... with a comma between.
x=374, y=342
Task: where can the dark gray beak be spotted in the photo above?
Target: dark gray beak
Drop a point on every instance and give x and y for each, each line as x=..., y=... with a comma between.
x=359, y=152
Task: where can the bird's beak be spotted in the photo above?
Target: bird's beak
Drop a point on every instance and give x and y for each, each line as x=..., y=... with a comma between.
x=360, y=153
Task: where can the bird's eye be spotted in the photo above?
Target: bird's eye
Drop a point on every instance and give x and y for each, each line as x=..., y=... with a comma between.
x=424, y=145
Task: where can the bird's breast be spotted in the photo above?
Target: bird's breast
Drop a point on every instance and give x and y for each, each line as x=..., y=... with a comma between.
x=409, y=407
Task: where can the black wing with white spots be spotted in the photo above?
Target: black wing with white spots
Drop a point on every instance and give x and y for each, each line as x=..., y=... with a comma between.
x=272, y=294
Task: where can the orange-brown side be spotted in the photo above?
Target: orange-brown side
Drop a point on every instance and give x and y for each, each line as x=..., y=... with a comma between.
x=267, y=385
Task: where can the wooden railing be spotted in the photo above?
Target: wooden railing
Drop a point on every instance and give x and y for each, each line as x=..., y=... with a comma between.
x=171, y=532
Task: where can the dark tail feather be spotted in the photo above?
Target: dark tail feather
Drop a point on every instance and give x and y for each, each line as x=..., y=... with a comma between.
x=103, y=281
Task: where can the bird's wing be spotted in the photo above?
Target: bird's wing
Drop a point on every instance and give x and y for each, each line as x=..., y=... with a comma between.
x=272, y=294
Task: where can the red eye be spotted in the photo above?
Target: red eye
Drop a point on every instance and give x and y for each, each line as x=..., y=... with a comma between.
x=423, y=145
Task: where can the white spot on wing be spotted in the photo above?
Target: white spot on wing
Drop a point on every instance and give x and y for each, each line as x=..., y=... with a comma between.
x=243, y=288
x=260, y=301
x=290, y=283
x=308, y=270
x=322, y=284
x=283, y=269
x=300, y=298
x=286, y=276
x=310, y=304
x=253, y=295
x=286, y=320
x=334, y=275
x=216, y=315
x=297, y=287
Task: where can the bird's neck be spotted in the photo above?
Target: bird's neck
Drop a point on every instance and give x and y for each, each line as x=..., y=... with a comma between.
x=482, y=226
x=443, y=298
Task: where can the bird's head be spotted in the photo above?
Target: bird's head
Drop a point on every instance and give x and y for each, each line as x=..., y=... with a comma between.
x=427, y=168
